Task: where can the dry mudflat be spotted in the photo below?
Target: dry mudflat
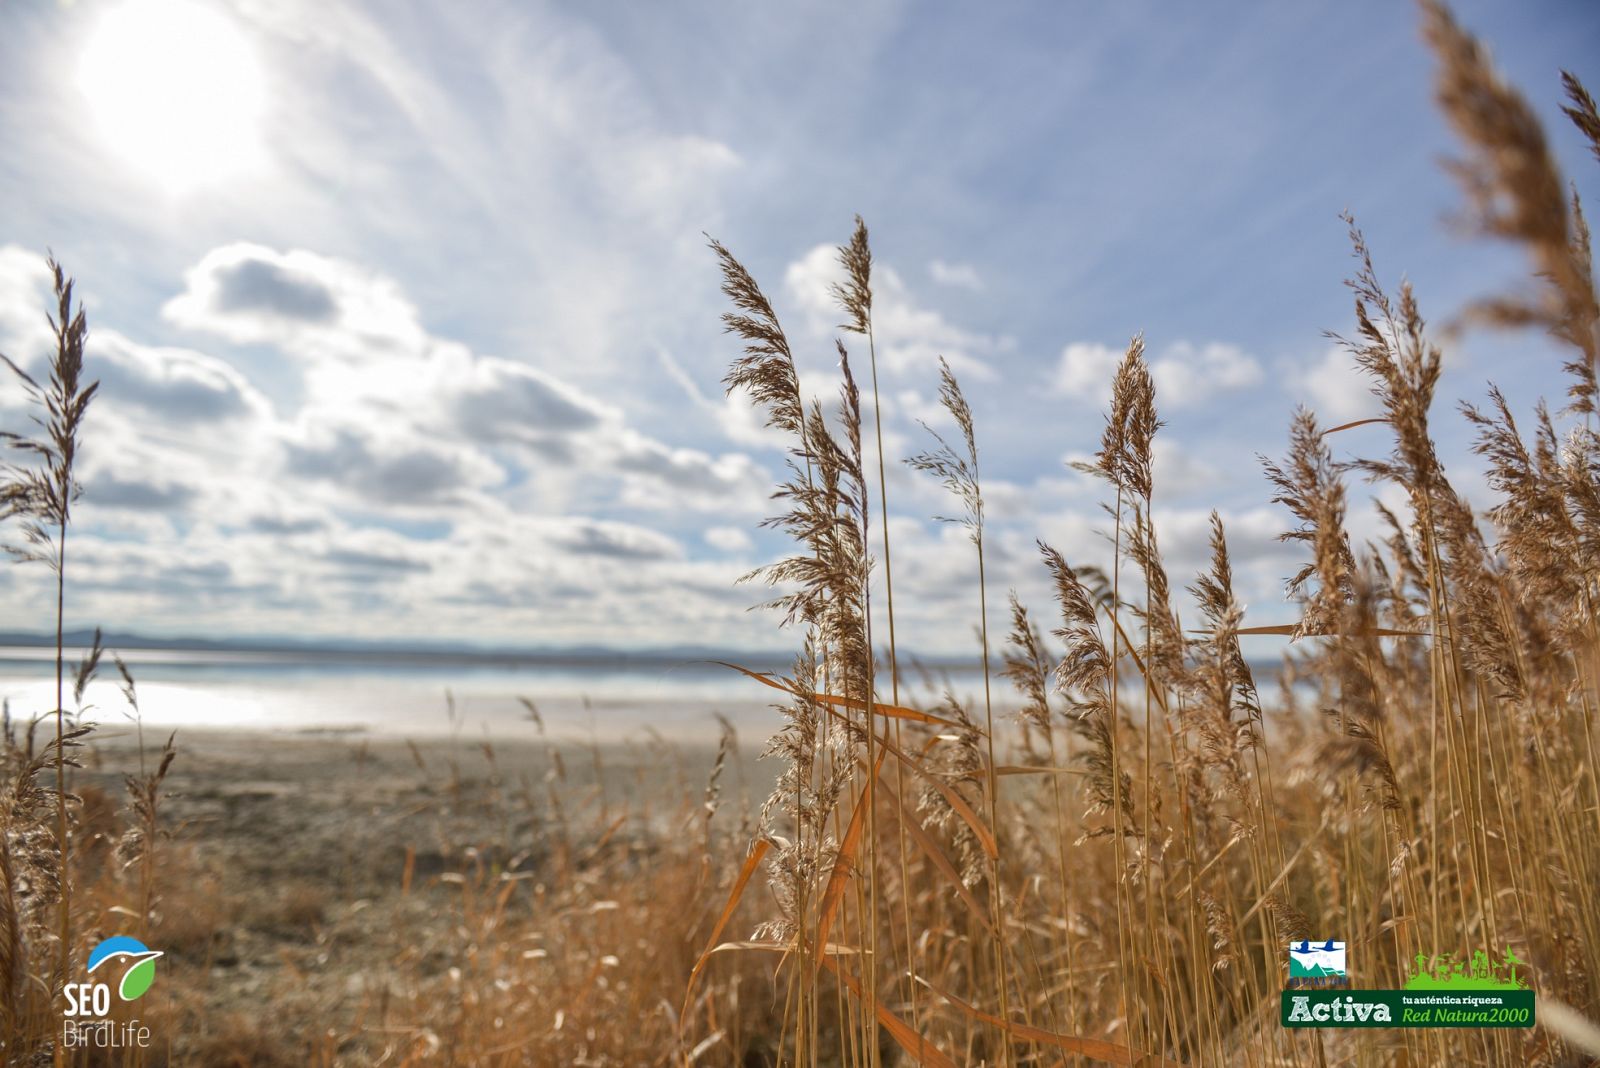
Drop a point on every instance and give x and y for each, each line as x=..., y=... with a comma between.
x=310, y=879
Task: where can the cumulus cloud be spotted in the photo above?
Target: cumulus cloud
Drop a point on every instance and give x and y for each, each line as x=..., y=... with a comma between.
x=1186, y=374
x=738, y=419
x=618, y=541
x=398, y=415
x=315, y=305
x=24, y=296
x=686, y=473
x=410, y=483
x=729, y=539
x=252, y=284
x=406, y=481
x=910, y=336
x=388, y=469
x=110, y=490
x=1334, y=388
x=495, y=400
x=958, y=275
x=364, y=561
x=1180, y=472
x=1084, y=371
x=1189, y=374
x=171, y=383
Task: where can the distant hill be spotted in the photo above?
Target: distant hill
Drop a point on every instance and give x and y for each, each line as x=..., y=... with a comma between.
x=1299, y=971
x=351, y=649
x=359, y=651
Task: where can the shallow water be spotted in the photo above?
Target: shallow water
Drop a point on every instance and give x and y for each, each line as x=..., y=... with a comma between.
x=395, y=694
x=412, y=695
x=290, y=691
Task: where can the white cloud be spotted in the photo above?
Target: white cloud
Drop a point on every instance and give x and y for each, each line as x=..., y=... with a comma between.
x=173, y=432
x=1084, y=372
x=959, y=275
x=729, y=539
x=417, y=487
x=497, y=400
x=173, y=383
x=385, y=465
x=24, y=296
x=539, y=176
x=1186, y=375
x=738, y=419
x=661, y=476
x=620, y=541
x=415, y=483
x=1180, y=472
x=505, y=184
x=496, y=161
x=312, y=305
x=410, y=483
x=399, y=416
x=910, y=336
x=1334, y=388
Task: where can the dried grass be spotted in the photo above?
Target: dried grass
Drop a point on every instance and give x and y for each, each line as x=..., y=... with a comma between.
x=1111, y=880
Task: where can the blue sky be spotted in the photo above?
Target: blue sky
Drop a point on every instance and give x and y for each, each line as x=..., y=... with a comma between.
x=408, y=329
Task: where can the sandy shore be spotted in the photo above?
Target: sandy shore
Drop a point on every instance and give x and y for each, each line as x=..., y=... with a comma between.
x=303, y=866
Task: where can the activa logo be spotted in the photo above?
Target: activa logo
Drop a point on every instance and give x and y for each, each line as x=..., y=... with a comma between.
x=1317, y=964
x=94, y=999
x=1348, y=1011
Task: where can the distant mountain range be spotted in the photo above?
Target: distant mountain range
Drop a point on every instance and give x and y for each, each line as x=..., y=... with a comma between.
x=444, y=652
x=359, y=651
x=1316, y=971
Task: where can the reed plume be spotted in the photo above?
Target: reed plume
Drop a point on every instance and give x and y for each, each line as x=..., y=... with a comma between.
x=958, y=471
x=1083, y=677
x=40, y=492
x=1515, y=192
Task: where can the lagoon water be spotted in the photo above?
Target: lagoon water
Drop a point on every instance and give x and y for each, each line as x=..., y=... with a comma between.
x=412, y=694
x=397, y=694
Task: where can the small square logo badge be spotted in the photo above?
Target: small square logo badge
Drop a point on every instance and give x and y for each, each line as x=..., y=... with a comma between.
x=1317, y=964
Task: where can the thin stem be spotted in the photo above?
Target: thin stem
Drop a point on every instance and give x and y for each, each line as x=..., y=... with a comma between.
x=1116, y=770
x=61, y=764
x=994, y=809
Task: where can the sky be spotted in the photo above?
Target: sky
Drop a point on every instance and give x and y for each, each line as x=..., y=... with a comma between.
x=407, y=329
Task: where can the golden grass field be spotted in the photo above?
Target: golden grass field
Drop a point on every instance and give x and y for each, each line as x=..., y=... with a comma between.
x=1110, y=876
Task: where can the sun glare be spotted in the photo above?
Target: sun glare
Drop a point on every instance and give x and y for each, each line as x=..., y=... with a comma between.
x=175, y=90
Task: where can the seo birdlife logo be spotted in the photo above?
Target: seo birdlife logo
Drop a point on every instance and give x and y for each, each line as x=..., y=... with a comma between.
x=94, y=999
x=88, y=1022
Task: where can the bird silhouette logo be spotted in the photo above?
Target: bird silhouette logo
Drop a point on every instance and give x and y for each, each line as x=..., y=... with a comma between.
x=124, y=950
x=1316, y=960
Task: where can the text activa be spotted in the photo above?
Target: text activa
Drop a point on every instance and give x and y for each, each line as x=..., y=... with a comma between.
x=1347, y=1011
